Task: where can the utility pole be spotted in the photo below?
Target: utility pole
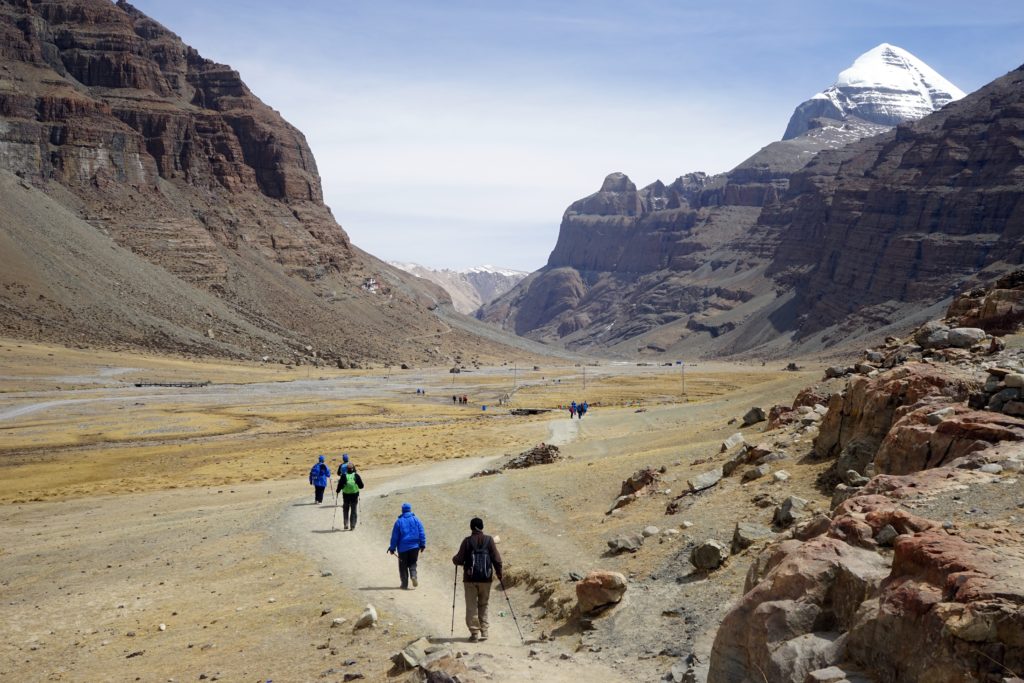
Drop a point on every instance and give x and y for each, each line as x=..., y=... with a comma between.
x=515, y=368
x=682, y=378
x=584, y=377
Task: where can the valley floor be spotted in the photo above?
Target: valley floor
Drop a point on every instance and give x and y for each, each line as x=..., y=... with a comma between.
x=130, y=507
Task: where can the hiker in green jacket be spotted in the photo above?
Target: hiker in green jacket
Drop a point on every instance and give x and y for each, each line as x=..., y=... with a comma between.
x=349, y=486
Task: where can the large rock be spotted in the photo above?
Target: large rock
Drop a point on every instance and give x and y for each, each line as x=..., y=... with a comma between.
x=997, y=309
x=709, y=555
x=753, y=416
x=732, y=442
x=793, y=509
x=949, y=608
x=747, y=533
x=367, y=619
x=627, y=543
x=705, y=480
x=639, y=481
x=860, y=417
x=966, y=337
x=600, y=588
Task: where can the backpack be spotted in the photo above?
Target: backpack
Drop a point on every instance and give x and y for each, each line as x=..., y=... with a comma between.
x=479, y=568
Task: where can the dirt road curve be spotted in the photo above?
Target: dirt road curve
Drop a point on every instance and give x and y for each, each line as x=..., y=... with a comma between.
x=359, y=559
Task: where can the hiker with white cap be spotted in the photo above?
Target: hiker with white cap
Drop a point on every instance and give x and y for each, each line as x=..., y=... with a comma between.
x=319, y=478
x=408, y=539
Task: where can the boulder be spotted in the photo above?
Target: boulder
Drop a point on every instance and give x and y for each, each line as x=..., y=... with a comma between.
x=649, y=531
x=600, y=588
x=367, y=619
x=620, y=502
x=835, y=371
x=412, y=655
x=709, y=555
x=756, y=473
x=732, y=442
x=705, y=481
x=1014, y=380
x=627, y=543
x=638, y=481
x=753, y=416
x=791, y=510
x=965, y=337
x=747, y=533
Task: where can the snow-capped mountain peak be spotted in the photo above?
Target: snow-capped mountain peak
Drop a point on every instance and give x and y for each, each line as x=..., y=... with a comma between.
x=886, y=85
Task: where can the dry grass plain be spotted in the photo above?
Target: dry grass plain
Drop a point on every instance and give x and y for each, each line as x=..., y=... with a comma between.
x=124, y=507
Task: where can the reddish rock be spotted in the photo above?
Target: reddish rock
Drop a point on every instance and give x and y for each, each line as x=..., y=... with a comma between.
x=912, y=444
x=860, y=417
x=997, y=309
x=960, y=599
x=945, y=609
x=600, y=588
x=639, y=482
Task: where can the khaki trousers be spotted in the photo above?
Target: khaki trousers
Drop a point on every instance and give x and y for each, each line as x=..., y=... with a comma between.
x=477, y=596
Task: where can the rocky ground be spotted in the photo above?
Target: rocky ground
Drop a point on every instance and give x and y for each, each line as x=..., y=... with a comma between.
x=233, y=569
x=740, y=534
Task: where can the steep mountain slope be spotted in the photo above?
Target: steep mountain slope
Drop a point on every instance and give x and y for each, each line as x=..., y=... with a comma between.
x=150, y=148
x=885, y=86
x=725, y=264
x=471, y=288
x=770, y=259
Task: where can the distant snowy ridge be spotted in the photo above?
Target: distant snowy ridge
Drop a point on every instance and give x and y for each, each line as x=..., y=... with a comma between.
x=469, y=288
x=885, y=86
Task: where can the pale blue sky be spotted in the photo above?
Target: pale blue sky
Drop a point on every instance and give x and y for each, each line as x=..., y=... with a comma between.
x=456, y=133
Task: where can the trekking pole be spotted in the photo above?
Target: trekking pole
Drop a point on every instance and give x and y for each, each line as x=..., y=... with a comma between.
x=334, y=517
x=511, y=611
x=455, y=586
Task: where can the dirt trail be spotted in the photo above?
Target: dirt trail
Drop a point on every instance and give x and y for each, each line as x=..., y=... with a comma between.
x=359, y=558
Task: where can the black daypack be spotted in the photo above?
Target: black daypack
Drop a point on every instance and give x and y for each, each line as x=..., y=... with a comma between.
x=478, y=567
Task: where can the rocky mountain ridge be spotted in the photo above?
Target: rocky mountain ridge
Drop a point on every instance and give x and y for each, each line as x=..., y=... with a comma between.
x=744, y=262
x=470, y=288
x=136, y=144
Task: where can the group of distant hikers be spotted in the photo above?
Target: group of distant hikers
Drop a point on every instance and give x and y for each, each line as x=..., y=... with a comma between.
x=478, y=553
x=461, y=400
x=578, y=409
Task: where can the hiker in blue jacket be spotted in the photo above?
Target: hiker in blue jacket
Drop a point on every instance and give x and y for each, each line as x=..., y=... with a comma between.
x=342, y=470
x=319, y=478
x=409, y=539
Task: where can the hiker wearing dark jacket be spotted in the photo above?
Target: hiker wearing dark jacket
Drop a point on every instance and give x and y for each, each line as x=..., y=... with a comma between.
x=409, y=539
x=319, y=478
x=480, y=561
x=342, y=468
x=349, y=486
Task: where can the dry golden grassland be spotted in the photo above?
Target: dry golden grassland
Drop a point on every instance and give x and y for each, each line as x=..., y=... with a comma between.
x=111, y=437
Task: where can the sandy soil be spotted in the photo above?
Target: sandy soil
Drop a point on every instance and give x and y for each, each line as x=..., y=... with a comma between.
x=205, y=527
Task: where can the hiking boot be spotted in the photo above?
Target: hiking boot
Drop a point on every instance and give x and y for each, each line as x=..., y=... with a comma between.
x=473, y=637
x=415, y=582
x=346, y=527
x=483, y=636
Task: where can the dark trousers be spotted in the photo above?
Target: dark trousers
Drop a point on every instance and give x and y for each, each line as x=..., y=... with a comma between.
x=318, y=492
x=350, y=502
x=407, y=565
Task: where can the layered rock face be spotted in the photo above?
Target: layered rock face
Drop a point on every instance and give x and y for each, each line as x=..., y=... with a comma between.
x=140, y=140
x=885, y=86
x=106, y=102
x=907, y=216
x=777, y=258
